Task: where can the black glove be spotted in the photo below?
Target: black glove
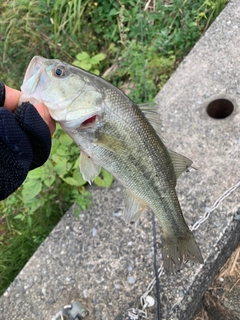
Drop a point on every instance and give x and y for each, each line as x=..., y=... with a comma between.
x=25, y=144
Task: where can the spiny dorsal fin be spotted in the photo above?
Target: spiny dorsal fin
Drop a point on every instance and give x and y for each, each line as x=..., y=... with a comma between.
x=150, y=112
x=180, y=163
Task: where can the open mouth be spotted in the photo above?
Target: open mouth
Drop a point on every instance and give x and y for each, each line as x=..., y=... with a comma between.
x=89, y=122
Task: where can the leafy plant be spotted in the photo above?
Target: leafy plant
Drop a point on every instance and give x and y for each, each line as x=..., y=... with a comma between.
x=84, y=61
x=18, y=239
x=59, y=181
x=152, y=71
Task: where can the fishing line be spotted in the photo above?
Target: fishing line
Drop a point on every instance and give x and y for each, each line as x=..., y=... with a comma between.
x=143, y=54
x=155, y=266
x=225, y=195
x=153, y=218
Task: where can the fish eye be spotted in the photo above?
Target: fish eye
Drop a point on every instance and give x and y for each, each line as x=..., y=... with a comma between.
x=60, y=71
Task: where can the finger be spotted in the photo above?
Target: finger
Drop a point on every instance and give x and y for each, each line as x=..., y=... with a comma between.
x=44, y=113
x=12, y=97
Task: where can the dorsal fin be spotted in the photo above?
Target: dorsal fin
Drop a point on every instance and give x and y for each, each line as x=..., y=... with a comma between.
x=180, y=163
x=150, y=112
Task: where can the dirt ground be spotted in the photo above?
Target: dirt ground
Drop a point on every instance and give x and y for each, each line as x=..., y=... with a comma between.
x=222, y=299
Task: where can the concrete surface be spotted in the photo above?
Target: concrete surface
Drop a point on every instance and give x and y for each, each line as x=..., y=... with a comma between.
x=107, y=265
x=96, y=259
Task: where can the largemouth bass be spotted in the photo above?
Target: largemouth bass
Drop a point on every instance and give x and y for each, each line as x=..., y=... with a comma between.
x=118, y=135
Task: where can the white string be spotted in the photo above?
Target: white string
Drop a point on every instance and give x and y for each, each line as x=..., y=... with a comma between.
x=216, y=204
x=137, y=314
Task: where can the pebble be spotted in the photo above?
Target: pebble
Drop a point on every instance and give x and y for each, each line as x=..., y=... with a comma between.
x=131, y=279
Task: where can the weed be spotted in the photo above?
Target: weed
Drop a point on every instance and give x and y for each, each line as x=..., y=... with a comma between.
x=84, y=61
x=18, y=240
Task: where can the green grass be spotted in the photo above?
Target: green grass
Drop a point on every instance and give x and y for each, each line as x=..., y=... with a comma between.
x=103, y=37
x=18, y=242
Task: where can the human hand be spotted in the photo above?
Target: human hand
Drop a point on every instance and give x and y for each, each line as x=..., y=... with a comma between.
x=12, y=97
x=25, y=139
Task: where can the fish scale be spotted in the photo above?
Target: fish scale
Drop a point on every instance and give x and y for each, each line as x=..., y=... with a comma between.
x=115, y=133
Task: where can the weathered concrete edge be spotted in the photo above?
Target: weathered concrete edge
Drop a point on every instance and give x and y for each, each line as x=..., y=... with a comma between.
x=228, y=243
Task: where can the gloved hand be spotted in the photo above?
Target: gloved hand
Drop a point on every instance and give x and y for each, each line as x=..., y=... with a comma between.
x=25, y=144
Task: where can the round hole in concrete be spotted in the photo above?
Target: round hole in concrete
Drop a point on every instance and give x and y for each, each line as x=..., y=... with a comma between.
x=220, y=108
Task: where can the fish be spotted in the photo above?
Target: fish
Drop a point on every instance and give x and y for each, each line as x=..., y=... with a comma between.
x=115, y=133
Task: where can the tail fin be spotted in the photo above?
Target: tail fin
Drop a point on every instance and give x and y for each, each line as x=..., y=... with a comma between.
x=175, y=250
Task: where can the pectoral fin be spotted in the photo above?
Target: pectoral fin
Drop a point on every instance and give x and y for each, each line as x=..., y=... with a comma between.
x=133, y=207
x=111, y=143
x=88, y=169
x=180, y=162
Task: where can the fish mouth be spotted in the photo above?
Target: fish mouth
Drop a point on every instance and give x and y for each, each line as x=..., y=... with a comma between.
x=83, y=123
x=90, y=122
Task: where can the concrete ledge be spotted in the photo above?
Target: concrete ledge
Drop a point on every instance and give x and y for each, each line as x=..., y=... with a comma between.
x=96, y=259
x=106, y=265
